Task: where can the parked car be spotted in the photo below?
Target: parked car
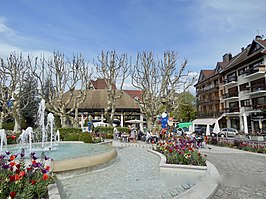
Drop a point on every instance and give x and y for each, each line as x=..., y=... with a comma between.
x=228, y=132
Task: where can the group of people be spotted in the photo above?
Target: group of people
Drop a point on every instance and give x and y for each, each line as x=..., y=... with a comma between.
x=154, y=137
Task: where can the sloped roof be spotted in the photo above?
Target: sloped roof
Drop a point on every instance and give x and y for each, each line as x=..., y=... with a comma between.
x=207, y=73
x=97, y=99
x=262, y=42
x=134, y=93
x=246, y=54
x=100, y=84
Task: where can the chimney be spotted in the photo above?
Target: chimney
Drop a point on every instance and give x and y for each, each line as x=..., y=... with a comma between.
x=258, y=37
x=242, y=49
x=227, y=57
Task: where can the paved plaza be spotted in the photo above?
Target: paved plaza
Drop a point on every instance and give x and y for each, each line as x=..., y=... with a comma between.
x=243, y=174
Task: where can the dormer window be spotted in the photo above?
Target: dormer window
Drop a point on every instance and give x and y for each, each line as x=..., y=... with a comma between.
x=136, y=98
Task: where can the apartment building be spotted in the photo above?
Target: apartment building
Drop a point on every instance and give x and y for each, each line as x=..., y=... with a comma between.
x=235, y=91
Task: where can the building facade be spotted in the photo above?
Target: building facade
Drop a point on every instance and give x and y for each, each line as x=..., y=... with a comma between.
x=235, y=91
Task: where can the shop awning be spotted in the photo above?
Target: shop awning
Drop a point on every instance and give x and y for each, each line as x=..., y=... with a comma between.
x=184, y=124
x=205, y=121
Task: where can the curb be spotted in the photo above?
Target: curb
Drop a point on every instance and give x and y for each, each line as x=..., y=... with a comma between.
x=205, y=188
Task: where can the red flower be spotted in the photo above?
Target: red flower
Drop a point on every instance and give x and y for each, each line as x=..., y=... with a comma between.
x=45, y=176
x=18, y=166
x=13, y=137
x=33, y=182
x=29, y=168
x=22, y=173
x=199, y=154
x=12, y=178
x=17, y=177
x=12, y=157
x=170, y=150
x=12, y=163
x=12, y=194
x=47, y=168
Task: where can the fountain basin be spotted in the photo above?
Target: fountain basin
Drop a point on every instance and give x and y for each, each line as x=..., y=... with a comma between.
x=84, y=158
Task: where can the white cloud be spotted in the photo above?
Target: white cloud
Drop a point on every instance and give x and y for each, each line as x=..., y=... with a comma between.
x=6, y=49
x=8, y=38
x=4, y=27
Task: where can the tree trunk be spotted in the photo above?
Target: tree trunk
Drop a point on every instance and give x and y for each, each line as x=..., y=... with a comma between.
x=149, y=123
x=76, y=119
x=112, y=116
x=63, y=119
x=17, y=117
x=1, y=119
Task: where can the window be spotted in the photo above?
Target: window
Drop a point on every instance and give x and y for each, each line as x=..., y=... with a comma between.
x=245, y=103
x=243, y=87
x=258, y=101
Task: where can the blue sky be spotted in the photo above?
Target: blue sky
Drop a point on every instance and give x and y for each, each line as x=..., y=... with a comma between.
x=199, y=30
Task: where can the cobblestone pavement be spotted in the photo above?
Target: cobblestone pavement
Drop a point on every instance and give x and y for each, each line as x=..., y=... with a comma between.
x=243, y=174
x=135, y=174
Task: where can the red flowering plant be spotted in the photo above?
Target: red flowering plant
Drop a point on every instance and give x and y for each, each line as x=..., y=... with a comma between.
x=182, y=152
x=24, y=180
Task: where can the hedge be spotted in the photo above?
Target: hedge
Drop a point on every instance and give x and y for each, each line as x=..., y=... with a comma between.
x=74, y=134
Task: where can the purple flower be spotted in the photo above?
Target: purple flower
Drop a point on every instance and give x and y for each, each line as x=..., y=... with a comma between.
x=8, y=152
x=5, y=166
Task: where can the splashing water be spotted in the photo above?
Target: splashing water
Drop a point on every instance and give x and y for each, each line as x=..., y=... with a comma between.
x=41, y=113
x=3, y=139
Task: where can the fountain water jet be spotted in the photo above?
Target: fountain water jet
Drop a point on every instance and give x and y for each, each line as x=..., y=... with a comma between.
x=57, y=137
x=50, y=123
x=3, y=139
x=41, y=112
x=26, y=137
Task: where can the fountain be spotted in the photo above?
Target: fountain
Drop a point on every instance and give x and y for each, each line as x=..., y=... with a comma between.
x=3, y=139
x=57, y=137
x=29, y=135
x=50, y=123
x=41, y=112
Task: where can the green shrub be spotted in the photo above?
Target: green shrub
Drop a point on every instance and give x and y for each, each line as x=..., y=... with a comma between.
x=8, y=125
x=123, y=129
x=72, y=137
x=105, y=130
x=65, y=132
x=85, y=137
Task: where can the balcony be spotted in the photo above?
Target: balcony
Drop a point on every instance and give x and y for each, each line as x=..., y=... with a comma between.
x=231, y=110
x=211, y=114
x=208, y=89
x=209, y=101
x=230, y=96
x=254, y=108
x=230, y=81
x=257, y=89
x=254, y=73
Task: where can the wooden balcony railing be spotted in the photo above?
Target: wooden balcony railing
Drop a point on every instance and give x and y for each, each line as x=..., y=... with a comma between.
x=229, y=95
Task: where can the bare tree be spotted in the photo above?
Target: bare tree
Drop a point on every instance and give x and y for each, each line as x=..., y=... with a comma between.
x=14, y=73
x=64, y=78
x=4, y=95
x=112, y=67
x=160, y=81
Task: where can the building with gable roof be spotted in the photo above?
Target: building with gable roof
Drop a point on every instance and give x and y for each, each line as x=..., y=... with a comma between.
x=235, y=91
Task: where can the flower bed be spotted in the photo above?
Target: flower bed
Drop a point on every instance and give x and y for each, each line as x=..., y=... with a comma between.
x=21, y=180
x=183, y=152
x=246, y=145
